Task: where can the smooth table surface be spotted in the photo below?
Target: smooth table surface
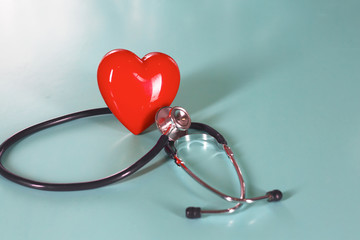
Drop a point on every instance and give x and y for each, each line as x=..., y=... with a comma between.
x=279, y=79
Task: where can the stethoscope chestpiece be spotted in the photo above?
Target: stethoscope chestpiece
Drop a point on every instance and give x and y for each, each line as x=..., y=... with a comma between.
x=173, y=122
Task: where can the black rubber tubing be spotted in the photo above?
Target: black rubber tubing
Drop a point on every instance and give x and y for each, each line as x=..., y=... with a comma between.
x=163, y=140
x=209, y=130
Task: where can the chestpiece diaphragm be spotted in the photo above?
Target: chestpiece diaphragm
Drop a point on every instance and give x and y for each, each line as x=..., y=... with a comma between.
x=173, y=121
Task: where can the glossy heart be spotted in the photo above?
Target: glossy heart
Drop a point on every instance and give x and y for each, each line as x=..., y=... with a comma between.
x=134, y=89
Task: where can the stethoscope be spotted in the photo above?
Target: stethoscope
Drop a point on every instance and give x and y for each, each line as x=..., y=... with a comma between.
x=173, y=123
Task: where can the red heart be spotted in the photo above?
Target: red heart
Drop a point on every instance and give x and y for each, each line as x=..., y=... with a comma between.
x=134, y=89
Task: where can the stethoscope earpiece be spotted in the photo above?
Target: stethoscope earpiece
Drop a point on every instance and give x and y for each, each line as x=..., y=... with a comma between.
x=193, y=212
x=274, y=195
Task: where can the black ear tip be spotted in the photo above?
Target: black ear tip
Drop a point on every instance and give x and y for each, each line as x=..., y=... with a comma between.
x=193, y=212
x=274, y=195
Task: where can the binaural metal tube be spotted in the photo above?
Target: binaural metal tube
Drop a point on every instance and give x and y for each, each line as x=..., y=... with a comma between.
x=193, y=212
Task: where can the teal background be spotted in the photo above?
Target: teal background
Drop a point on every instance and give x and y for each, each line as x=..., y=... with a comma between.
x=279, y=79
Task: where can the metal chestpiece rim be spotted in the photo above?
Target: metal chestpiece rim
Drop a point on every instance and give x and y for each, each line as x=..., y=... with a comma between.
x=173, y=122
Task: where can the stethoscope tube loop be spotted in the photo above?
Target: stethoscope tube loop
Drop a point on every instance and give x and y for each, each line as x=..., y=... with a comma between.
x=163, y=140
